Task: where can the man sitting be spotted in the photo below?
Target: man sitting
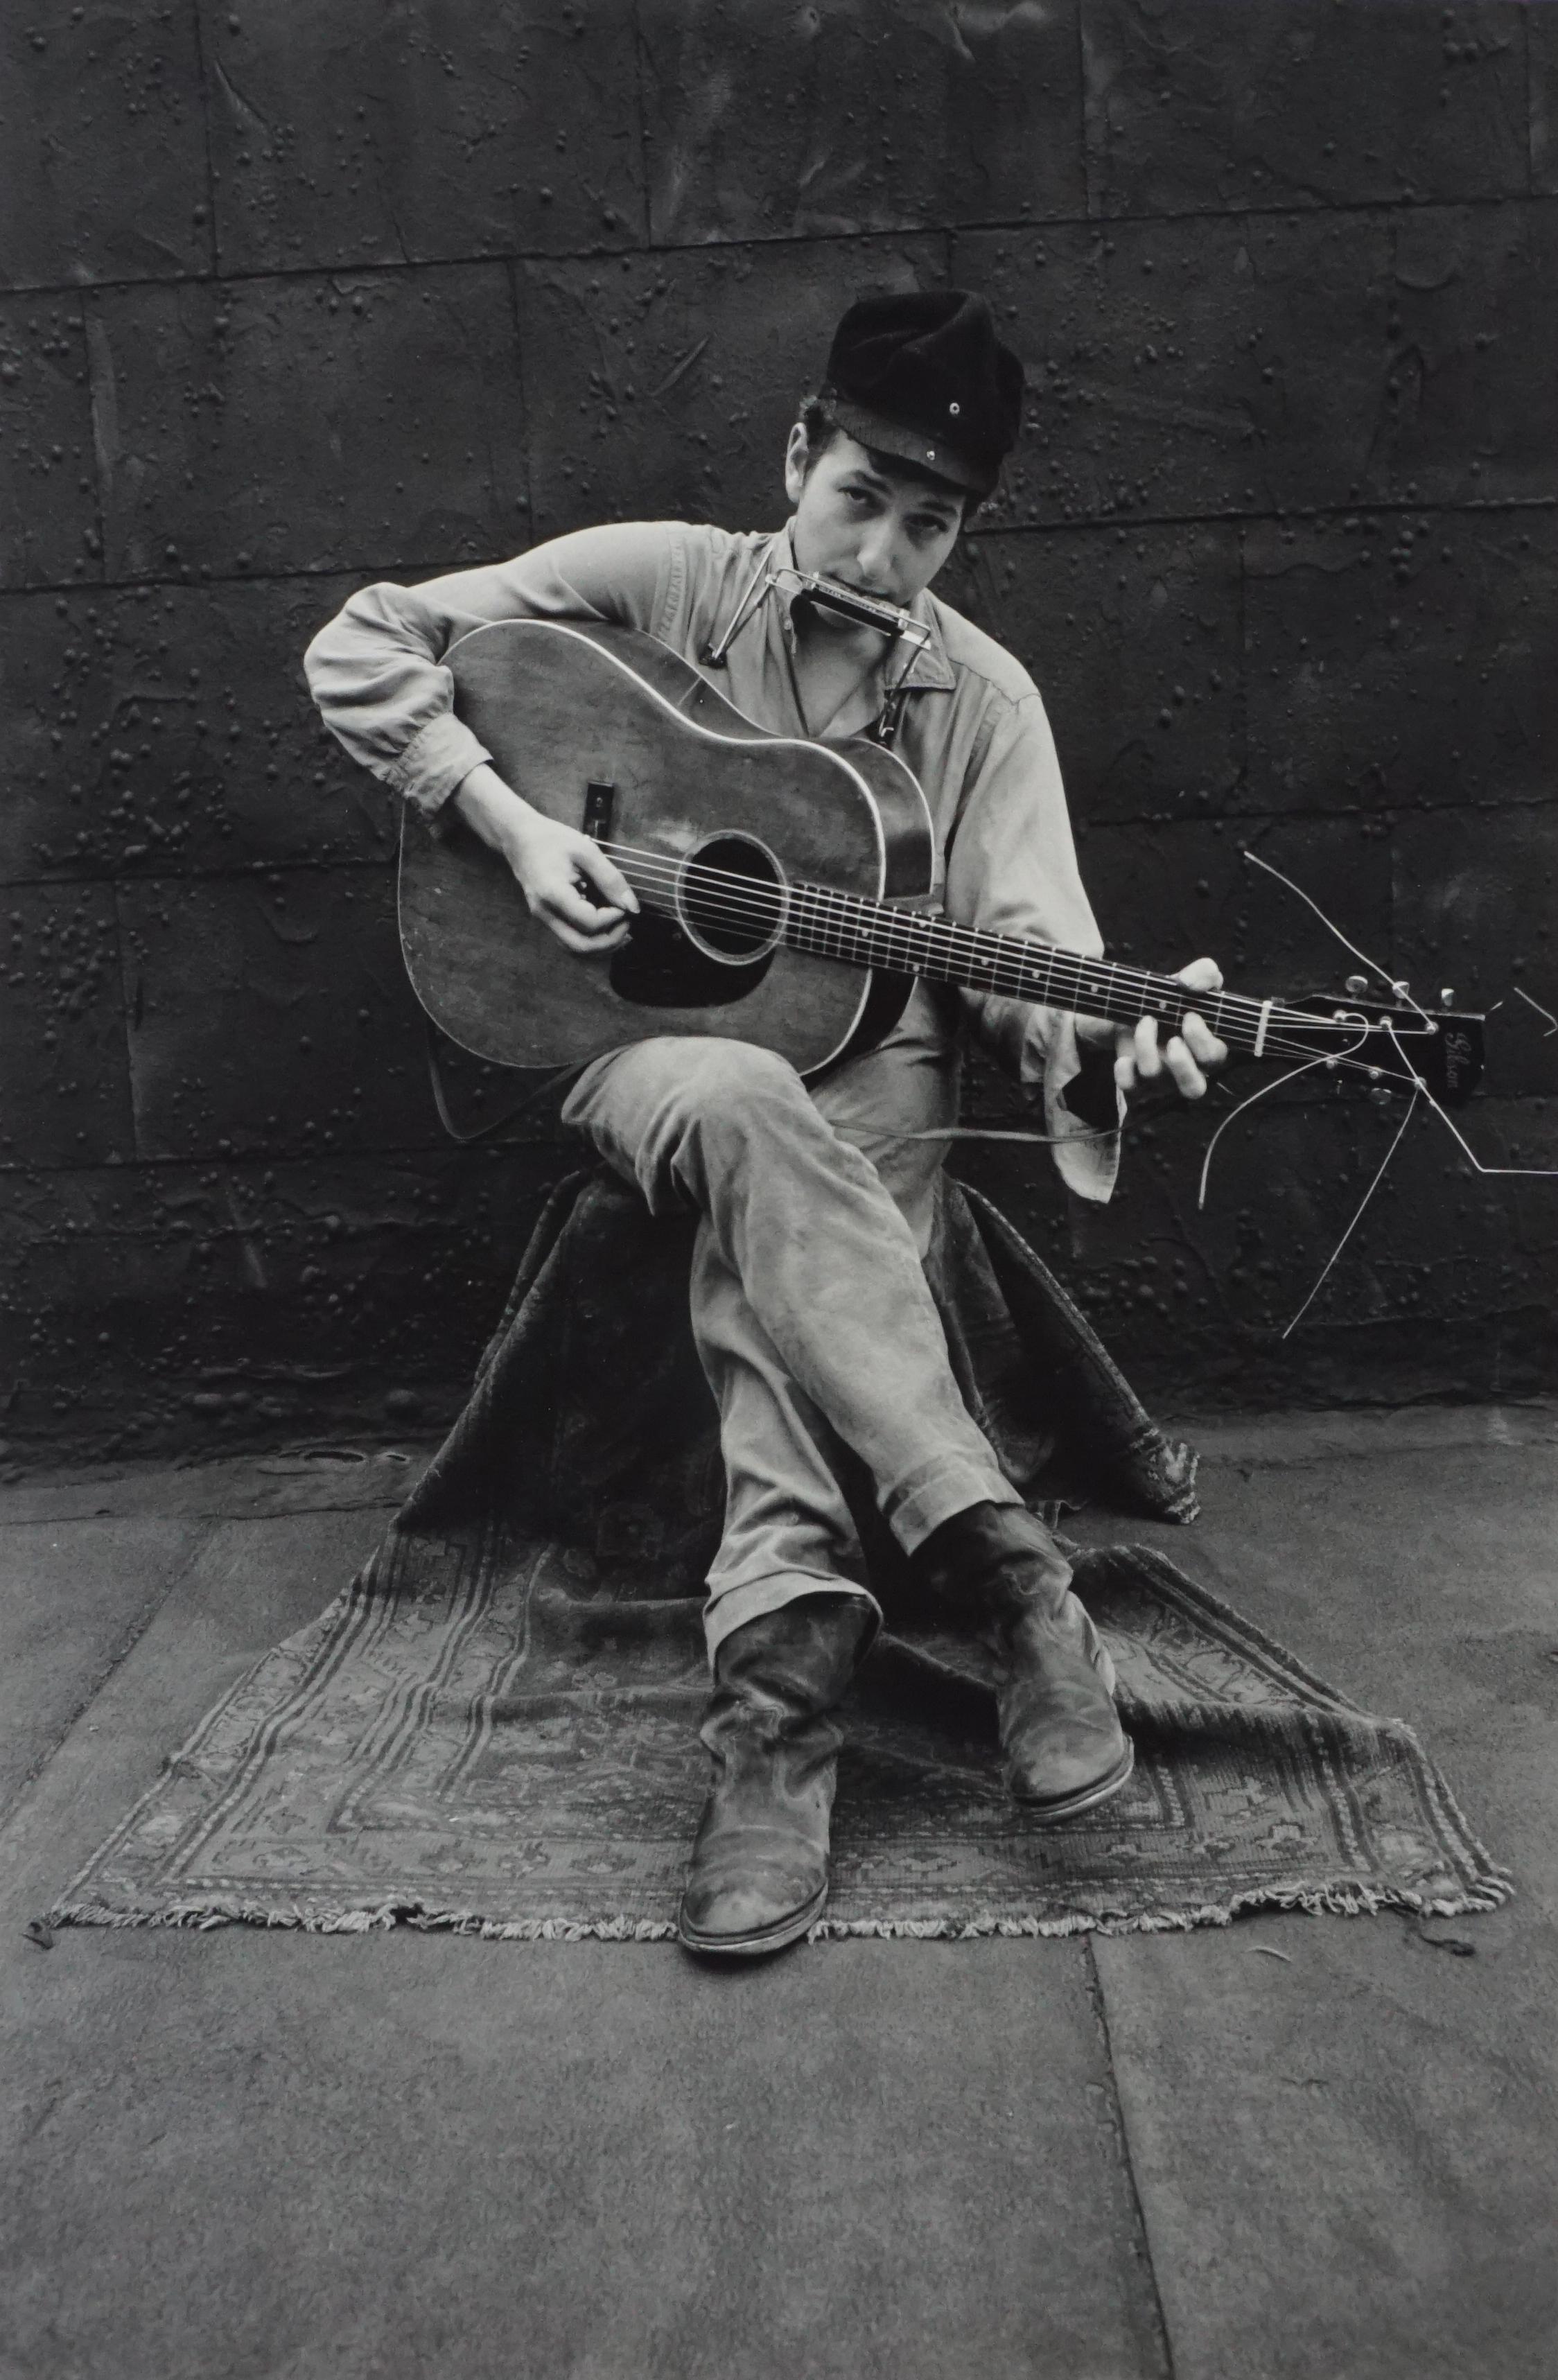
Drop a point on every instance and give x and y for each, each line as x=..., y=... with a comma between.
x=809, y=1307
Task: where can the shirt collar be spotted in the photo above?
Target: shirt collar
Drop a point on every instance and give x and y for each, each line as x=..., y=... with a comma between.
x=930, y=667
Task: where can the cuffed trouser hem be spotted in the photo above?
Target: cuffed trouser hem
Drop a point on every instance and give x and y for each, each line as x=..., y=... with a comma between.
x=723, y=1614
x=914, y=1511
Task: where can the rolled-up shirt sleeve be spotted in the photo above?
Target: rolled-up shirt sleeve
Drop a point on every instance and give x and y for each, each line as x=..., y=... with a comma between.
x=377, y=672
x=1012, y=870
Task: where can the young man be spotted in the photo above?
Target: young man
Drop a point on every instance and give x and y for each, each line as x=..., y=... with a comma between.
x=809, y=1307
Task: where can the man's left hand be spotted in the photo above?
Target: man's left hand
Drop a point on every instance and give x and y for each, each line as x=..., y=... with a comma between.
x=1188, y=1056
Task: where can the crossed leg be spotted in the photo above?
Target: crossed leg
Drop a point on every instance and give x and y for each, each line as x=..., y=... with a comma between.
x=810, y=1312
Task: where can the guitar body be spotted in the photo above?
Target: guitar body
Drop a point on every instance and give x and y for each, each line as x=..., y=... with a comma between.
x=608, y=730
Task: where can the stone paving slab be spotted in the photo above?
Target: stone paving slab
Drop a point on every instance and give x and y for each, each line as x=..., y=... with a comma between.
x=250, y=1584
x=1348, y=2156
x=1263, y=1440
x=329, y=1476
x=74, y=1595
x=263, y=2154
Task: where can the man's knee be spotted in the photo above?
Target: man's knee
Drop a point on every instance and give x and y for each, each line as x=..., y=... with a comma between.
x=732, y=1108
x=669, y=1112
x=731, y=1081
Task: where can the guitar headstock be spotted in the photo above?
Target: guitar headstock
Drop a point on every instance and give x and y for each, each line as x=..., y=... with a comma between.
x=1392, y=1043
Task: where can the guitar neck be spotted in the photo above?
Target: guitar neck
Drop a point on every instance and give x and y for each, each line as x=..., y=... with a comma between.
x=855, y=930
x=867, y=933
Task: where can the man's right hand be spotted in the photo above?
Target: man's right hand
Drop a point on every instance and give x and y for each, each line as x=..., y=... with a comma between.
x=555, y=866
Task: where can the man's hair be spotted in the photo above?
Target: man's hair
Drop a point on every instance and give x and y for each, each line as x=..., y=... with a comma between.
x=822, y=430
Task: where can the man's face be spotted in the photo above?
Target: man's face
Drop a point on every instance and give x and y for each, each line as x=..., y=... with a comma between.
x=865, y=526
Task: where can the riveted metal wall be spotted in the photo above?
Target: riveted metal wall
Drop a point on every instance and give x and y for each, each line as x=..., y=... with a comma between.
x=296, y=296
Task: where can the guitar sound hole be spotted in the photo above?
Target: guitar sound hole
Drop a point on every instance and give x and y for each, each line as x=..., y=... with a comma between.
x=730, y=897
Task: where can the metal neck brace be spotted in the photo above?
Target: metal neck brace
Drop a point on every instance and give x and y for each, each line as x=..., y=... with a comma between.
x=809, y=589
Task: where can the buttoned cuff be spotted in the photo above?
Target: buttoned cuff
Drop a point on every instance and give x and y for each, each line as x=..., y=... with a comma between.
x=437, y=760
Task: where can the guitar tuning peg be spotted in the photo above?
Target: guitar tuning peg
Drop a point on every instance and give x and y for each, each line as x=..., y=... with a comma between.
x=1355, y=986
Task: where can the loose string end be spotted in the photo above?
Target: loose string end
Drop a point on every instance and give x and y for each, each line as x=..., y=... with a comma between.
x=1551, y=1020
x=1331, y=1260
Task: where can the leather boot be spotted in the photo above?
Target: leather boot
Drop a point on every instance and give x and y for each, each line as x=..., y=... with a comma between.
x=759, y=1874
x=1065, y=1747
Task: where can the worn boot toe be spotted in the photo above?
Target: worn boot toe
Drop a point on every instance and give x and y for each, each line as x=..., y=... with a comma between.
x=757, y=1896
x=1065, y=1749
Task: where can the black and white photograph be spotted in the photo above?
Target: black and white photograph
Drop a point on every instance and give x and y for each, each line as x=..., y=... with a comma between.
x=779, y=1190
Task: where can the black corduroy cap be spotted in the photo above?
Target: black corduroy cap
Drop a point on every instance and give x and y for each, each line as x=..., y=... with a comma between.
x=924, y=377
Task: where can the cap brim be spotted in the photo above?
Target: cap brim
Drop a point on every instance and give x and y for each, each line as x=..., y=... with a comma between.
x=931, y=453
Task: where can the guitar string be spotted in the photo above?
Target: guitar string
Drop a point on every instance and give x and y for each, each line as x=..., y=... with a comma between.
x=751, y=902
x=755, y=903
x=1019, y=983
x=1546, y=1013
x=1420, y=1090
x=1233, y=1113
x=1008, y=972
x=1511, y=1172
x=1358, y=1218
x=1400, y=989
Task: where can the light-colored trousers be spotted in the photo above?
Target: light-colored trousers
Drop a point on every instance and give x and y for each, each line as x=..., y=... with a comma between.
x=810, y=1311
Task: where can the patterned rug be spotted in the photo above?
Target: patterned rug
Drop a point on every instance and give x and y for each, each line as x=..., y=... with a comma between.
x=494, y=1729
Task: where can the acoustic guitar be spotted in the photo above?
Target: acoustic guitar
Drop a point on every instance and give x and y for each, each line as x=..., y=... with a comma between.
x=786, y=889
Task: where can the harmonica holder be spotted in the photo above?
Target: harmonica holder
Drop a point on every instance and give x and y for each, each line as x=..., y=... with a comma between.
x=809, y=587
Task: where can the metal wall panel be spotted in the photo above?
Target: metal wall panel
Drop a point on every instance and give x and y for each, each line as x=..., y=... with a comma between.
x=271, y=1014
x=1167, y=891
x=188, y=1307
x=1402, y=657
x=1134, y=637
x=350, y=133
x=1281, y=103
x=317, y=423
x=1224, y=364
x=98, y=101
x=63, y=1081
x=1475, y=907
x=663, y=386
x=857, y=116
x=48, y=472
x=307, y=297
x=169, y=727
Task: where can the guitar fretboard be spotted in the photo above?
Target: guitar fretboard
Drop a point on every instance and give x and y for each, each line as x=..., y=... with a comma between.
x=860, y=932
x=834, y=925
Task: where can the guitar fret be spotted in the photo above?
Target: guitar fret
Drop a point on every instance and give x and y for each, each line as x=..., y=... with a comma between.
x=830, y=923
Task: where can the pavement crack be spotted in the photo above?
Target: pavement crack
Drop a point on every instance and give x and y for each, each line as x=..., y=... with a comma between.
x=1142, y=2245
x=199, y=1538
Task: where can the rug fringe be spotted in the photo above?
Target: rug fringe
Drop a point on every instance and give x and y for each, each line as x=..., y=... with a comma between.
x=1327, y=1900
x=1337, y=1900
x=201, y=1916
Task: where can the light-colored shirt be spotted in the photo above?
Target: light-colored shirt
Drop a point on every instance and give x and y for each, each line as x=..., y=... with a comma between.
x=973, y=730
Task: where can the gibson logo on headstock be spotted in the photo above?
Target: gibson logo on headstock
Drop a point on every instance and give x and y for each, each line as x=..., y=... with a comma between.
x=1461, y=1065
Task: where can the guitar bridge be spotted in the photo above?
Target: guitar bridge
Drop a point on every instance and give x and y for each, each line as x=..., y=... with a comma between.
x=599, y=798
